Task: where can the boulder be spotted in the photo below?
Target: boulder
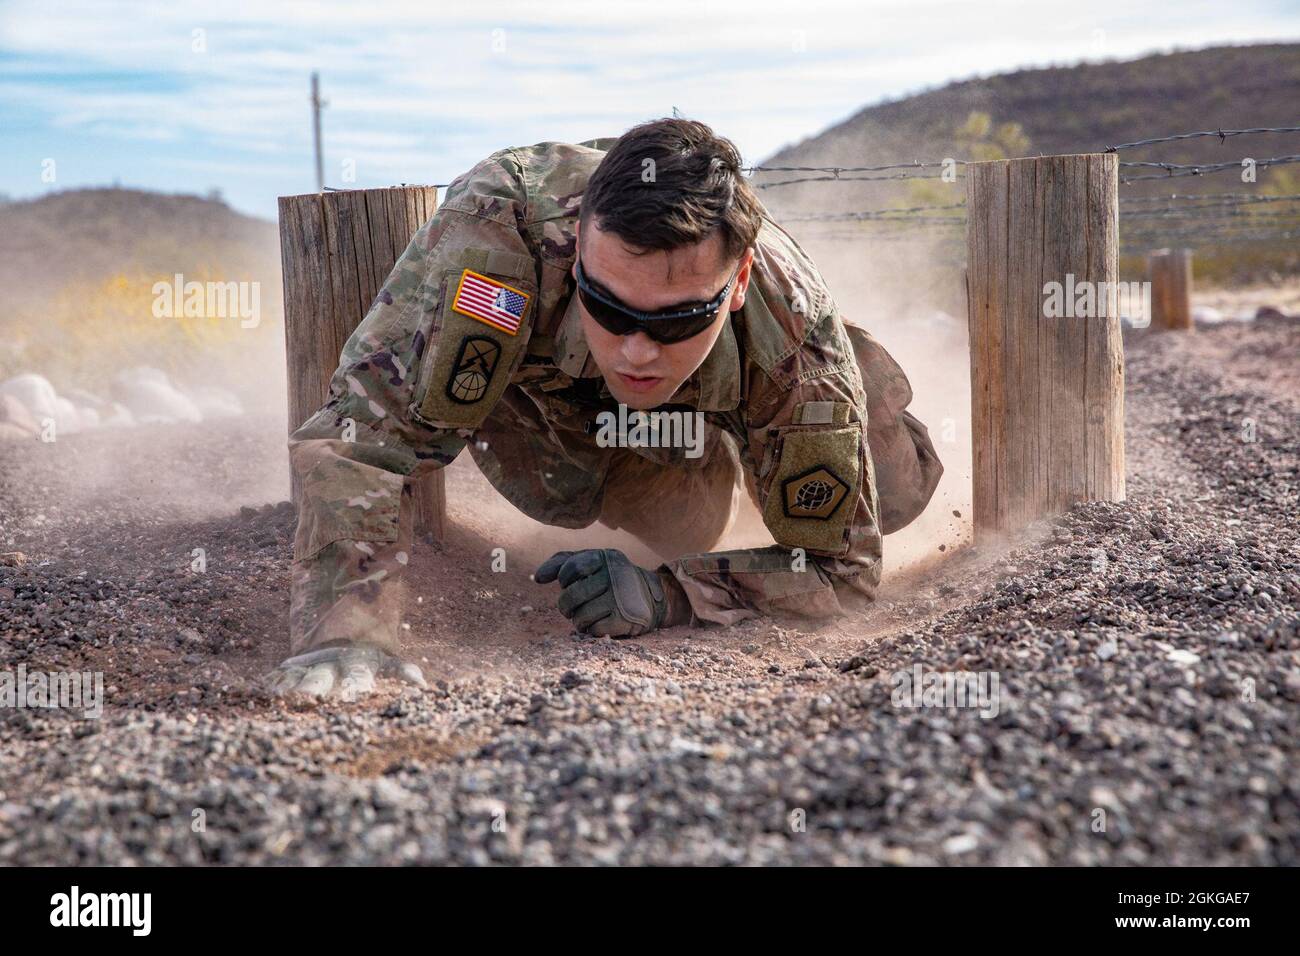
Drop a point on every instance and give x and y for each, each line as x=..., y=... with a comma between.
x=215, y=402
x=151, y=398
x=36, y=393
x=14, y=415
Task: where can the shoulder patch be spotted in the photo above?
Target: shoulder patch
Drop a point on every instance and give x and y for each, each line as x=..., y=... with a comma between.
x=814, y=494
x=485, y=327
x=818, y=468
x=490, y=301
x=472, y=371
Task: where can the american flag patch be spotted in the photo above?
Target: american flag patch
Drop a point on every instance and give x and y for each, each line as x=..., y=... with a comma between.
x=490, y=301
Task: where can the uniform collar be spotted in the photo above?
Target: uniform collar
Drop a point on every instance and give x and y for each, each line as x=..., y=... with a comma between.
x=713, y=387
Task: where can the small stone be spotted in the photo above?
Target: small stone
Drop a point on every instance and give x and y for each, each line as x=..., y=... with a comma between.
x=959, y=844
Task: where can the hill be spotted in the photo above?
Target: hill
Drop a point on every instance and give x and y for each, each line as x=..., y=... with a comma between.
x=85, y=235
x=1061, y=109
x=79, y=267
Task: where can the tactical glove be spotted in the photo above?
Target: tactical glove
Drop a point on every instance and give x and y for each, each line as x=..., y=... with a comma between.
x=605, y=593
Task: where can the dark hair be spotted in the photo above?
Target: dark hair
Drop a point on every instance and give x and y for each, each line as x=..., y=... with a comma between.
x=691, y=187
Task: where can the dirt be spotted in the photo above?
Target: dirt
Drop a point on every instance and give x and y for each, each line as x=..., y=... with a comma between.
x=1147, y=655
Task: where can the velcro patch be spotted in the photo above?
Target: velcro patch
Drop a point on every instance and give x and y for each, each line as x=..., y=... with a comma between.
x=472, y=371
x=492, y=302
x=470, y=360
x=822, y=413
x=813, y=492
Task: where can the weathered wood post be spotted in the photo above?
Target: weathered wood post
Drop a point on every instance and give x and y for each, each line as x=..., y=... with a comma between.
x=1047, y=382
x=337, y=248
x=1170, y=271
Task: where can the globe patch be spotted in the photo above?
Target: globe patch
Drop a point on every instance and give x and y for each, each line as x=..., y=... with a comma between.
x=472, y=370
x=812, y=485
x=814, y=494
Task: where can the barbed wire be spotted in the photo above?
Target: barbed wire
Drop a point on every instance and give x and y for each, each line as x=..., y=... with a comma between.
x=1221, y=134
x=1219, y=199
x=1200, y=238
x=1219, y=215
x=1194, y=210
x=1205, y=211
x=1189, y=169
x=882, y=215
x=918, y=236
x=1243, y=197
x=915, y=223
x=1216, y=216
x=883, y=225
x=845, y=179
x=914, y=164
x=878, y=222
x=1144, y=237
x=836, y=171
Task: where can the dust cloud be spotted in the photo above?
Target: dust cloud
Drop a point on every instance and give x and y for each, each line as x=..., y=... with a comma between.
x=910, y=295
x=906, y=294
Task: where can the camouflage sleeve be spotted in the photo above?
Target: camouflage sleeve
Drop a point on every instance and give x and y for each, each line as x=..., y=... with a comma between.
x=413, y=381
x=810, y=470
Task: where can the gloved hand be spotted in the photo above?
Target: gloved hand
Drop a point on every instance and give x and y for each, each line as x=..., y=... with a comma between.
x=346, y=671
x=605, y=593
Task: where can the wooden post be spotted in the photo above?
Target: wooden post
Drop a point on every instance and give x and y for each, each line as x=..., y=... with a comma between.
x=1170, y=271
x=337, y=249
x=1047, y=392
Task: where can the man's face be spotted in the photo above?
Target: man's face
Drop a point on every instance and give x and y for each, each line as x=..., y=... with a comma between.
x=640, y=372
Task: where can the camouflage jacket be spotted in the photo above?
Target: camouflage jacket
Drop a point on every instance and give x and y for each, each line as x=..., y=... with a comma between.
x=416, y=377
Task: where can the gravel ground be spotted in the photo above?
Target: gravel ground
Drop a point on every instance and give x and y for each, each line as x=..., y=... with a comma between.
x=1147, y=658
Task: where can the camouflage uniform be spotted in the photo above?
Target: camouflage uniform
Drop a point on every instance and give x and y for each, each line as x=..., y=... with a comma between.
x=782, y=393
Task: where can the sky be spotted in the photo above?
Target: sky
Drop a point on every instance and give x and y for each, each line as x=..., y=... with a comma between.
x=191, y=97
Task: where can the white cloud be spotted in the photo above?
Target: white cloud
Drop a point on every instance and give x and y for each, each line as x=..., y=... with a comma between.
x=417, y=88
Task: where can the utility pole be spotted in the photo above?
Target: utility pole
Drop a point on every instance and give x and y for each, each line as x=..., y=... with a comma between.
x=316, y=104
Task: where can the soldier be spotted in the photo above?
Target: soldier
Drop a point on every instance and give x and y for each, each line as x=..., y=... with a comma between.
x=554, y=282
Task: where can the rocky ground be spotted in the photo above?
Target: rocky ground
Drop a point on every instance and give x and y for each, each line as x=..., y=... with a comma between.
x=1147, y=656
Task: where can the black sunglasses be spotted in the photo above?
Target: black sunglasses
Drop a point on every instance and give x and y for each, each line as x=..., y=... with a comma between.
x=665, y=327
